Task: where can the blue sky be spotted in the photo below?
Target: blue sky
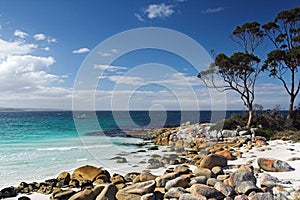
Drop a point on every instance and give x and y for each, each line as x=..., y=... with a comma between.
x=43, y=43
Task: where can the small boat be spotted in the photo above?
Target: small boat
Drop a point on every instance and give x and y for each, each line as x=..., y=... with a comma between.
x=83, y=116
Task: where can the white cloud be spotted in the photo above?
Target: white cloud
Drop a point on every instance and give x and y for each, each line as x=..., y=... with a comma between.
x=40, y=36
x=46, y=48
x=159, y=10
x=109, y=68
x=16, y=48
x=20, y=34
x=26, y=80
x=81, y=50
x=212, y=10
x=129, y=80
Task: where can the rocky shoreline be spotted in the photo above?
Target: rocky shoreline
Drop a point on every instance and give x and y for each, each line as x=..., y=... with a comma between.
x=197, y=166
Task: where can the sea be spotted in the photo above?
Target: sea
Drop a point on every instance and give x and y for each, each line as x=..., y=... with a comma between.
x=38, y=145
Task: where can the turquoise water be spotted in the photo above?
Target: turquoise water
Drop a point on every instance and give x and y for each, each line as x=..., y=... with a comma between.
x=35, y=146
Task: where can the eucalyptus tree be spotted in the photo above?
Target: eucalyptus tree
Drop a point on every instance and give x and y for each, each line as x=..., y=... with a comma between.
x=239, y=71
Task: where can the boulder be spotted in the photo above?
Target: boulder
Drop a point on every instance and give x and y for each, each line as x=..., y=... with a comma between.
x=177, y=182
x=64, y=178
x=237, y=177
x=108, y=192
x=150, y=196
x=261, y=196
x=192, y=197
x=268, y=181
x=274, y=165
x=241, y=197
x=23, y=198
x=182, y=169
x=175, y=192
x=144, y=176
x=246, y=187
x=87, y=194
x=140, y=188
x=89, y=172
x=129, y=177
x=8, y=192
x=207, y=191
x=62, y=194
x=162, y=180
x=117, y=178
x=203, y=172
x=227, y=190
x=213, y=160
x=227, y=154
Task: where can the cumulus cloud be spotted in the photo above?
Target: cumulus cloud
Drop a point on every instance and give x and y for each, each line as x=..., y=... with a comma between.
x=20, y=34
x=81, y=50
x=16, y=48
x=41, y=37
x=212, y=10
x=159, y=10
x=25, y=79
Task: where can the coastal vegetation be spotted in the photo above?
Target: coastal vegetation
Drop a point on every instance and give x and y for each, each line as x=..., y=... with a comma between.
x=240, y=71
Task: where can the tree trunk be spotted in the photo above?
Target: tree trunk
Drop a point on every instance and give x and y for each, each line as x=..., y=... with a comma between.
x=291, y=108
x=250, y=118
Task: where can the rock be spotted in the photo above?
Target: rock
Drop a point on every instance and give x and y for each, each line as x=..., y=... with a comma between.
x=237, y=177
x=293, y=159
x=207, y=191
x=129, y=177
x=162, y=180
x=23, y=198
x=140, y=188
x=150, y=196
x=213, y=160
x=153, y=148
x=8, y=192
x=87, y=194
x=145, y=176
x=177, y=182
x=45, y=189
x=261, y=196
x=87, y=185
x=121, y=160
x=227, y=154
x=246, y=187
x=108, y=192
x=217, y=171
x=241, y=197
x=182, y=169
x=125, y=196
x=268, y=181
x=192, y=197
x=203, y=172
x=62, y=195
x=175, y=192
x=198, y=179
x=64, y=178
x=74, y=183
x=90, y=173
x=227, y=190
x=117, y=178
x=274, y=165
x=212, y=182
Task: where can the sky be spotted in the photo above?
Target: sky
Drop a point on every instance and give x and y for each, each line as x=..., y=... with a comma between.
x=52, y=52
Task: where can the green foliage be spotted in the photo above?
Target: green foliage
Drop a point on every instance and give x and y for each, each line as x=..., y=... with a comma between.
x=267, y=133
x=231, y=123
